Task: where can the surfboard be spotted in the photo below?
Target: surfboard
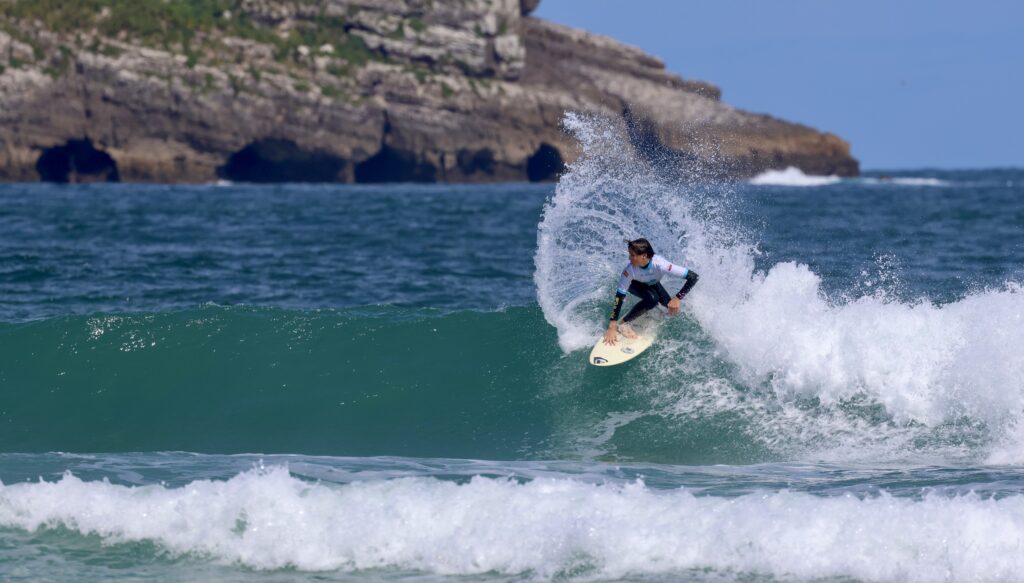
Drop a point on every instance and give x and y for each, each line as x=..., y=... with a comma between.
x=624, y=349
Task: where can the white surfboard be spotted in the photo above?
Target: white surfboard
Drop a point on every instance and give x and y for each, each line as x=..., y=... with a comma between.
x=624, y=348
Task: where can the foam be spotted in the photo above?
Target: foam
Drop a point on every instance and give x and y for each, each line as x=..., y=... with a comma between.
x=913, y=181
x=906, y=181
x=792, y=176
x=928, y=365
x=921, y=361
x=545, y=528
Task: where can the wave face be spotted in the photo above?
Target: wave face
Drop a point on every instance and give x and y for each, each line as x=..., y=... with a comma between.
x=369, y=381
x=859, y=374
x=362, y=381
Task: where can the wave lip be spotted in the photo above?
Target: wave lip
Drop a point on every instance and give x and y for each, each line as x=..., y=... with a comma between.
x=547, y=527
x=792, y=176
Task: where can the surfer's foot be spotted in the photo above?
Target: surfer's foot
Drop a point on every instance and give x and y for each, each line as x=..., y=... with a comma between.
x=627, y=331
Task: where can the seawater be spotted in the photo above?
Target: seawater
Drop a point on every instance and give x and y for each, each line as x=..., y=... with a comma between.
x=349, y=383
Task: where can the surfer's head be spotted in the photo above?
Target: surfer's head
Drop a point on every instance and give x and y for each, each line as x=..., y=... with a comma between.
x=641, y=250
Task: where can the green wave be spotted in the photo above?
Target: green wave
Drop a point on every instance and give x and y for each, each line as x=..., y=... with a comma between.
x=369, y=381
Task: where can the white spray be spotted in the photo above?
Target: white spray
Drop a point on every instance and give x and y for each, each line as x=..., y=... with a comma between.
x=933, y=369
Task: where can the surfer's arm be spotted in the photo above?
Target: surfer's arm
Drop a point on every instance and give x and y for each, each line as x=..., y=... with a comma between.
x=620, y=296
x=620, y=293
x=691, y=280
x=613, y=324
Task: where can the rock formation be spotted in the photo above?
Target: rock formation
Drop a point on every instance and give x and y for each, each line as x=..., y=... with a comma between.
x=345, y=90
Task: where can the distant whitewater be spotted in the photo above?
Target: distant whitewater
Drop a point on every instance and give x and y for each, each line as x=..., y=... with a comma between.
x=792, y=176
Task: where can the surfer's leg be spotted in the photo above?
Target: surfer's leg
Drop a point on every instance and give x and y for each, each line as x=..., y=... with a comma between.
x=648, y=299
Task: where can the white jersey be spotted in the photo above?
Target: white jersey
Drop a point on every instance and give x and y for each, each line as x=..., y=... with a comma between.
x=655, y=270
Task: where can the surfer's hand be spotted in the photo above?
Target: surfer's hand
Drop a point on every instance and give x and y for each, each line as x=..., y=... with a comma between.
x=610, y=334
x=673, y=306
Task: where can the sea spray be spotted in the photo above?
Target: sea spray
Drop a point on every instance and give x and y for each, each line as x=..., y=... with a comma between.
x=609, y=194
x=858, y=374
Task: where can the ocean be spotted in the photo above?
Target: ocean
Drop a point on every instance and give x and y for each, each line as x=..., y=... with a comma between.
x=295, y=382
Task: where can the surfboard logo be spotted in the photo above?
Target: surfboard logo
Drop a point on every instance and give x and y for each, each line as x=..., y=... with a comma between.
x=599, y=360
x=627, y=350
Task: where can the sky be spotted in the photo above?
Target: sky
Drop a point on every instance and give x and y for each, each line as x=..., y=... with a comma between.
x=909, y=84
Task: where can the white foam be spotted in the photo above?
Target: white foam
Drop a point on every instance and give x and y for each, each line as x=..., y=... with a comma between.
x=920, y=360
x=906, y=181
x=926, y=364
x=545, y=528
x=792, y=176
x=1010, y=448
x=913, y=181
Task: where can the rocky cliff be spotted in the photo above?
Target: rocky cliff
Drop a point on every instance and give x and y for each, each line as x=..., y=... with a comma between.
x=345, y=90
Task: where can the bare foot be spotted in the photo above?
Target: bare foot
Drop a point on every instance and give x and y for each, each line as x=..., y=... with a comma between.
x=627, y=331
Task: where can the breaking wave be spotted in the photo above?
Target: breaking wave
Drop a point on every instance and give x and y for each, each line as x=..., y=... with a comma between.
x=545, y=528
x=849, y=375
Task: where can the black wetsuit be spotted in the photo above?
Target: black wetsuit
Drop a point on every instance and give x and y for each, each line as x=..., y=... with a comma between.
x=650, y=294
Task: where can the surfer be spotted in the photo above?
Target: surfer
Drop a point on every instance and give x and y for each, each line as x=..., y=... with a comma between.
x=642, y=278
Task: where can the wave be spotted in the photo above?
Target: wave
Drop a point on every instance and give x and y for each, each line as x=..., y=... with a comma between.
x=544, y=528
x=360, y=381
x=852, y=375
x=364, y=382
x=911, y=181
x=792, y=176
x=480, y=385
x=904, y=181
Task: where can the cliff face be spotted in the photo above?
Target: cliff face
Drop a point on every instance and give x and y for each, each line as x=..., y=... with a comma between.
x=344, y=90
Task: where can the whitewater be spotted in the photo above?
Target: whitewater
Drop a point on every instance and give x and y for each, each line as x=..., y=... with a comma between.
x=206, y=383
x=815, y=359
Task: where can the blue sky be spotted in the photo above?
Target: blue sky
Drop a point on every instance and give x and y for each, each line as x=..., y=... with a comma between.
x=910, y=84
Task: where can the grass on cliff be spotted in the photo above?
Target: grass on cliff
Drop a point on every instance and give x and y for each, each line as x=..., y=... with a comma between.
x=324, y=31
x=154, y=21
x=170, y=24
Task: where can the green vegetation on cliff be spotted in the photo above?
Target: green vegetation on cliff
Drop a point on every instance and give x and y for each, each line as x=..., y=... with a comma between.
x=154, y=21
x=191, y=26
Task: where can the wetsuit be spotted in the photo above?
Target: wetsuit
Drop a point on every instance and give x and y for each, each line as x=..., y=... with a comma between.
x=645, y=283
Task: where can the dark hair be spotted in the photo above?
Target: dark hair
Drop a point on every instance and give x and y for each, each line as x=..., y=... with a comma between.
x=641, y=246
